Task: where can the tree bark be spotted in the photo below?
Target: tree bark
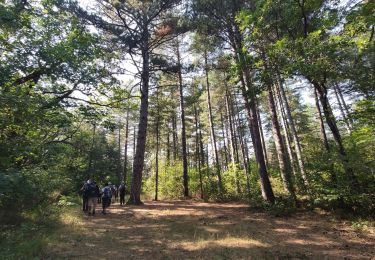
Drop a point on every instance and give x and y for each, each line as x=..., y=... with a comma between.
x=211, y=122
x=244, y=160
x=126, y=147
x=345, y=106
x=174, y=137
x=286, y=130
x=321, y=122
x=198, y=151
x=89, y=168
x=331, y=121
x=261, y=133
x=183, y=129
x=157, y=145
x=224, y=144
x=286, y=108
x=280, y=147
x=120, y=176
x=229, y=122
x=345, y=119
x=135, y=192
x=168, y=147
x=249, y=94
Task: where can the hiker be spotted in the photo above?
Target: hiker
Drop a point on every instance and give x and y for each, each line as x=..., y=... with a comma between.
x=84, y=197
x=106, y=197
x=99, y=192
x=93, y=193
x=122, y=190
x=113, y=190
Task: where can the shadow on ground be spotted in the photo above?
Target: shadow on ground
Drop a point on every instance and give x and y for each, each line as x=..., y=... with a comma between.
x=186, y=230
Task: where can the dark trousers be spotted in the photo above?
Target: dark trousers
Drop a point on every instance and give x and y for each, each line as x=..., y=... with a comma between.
x=85, y=203
x=105, y=203
x=122, y=199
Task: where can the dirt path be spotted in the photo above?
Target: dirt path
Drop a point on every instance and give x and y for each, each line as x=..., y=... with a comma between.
x=186, y=230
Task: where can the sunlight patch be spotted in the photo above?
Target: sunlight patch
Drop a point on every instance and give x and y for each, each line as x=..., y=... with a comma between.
x=225, y=242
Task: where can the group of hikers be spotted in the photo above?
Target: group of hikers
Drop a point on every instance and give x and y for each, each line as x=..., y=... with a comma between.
x=92, y=195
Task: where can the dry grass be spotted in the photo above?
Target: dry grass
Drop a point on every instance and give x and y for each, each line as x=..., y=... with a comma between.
x=195, y=230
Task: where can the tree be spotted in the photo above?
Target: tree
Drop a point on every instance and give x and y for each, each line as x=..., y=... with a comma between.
x=138, y=28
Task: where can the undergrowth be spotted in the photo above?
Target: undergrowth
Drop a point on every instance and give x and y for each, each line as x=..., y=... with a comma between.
x=27, y=235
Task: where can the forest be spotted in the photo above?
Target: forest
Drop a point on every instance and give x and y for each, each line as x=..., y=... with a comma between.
x=233, y=112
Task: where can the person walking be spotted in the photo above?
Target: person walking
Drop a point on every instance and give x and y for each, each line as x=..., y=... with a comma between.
x=93, y=193
x=122, y=190
x=106, y=197
x=84, y=197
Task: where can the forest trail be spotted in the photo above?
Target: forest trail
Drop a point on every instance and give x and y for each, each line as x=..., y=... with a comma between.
x=188, y=229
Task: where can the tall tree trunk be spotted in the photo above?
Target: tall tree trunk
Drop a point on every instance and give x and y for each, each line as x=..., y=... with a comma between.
x=330, y=119
x=212, y=127
x=287, y=135
x=321, y=122
x=224, y=144
x=135, y=192
x=183, y=130
x=174, y=137
x=261, y=133
x=198, y=151
x=235, y=130
x=324, y=136
x=249, y=94
x=120, y=176
x=345, y=119
x=229, y=122
x=168, y=147
x=89, y=168
x=248, y=171
x=280, y=147
x=126, y=147
x=285, y=106
x=157, y=152
x=345, y=106
x=243, y=148
x=244, y=159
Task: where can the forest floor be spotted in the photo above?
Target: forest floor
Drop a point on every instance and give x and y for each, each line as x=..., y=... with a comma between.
x=190, y=229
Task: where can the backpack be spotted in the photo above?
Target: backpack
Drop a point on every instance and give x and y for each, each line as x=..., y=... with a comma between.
x=121, y=189
x=107, y=192
x=90, y=190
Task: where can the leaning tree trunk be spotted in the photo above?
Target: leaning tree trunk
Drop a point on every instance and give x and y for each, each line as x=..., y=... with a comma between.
x=323, y=134
x=331, y=121
x=261, y=133
x=183, y=128
x=287, y=135
x=285, y=106
x=280, y=147
x=345, y=106
x=344, y=118
x=249, y=94
x=266, y=187
x=212, y=128
x=138, y=164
